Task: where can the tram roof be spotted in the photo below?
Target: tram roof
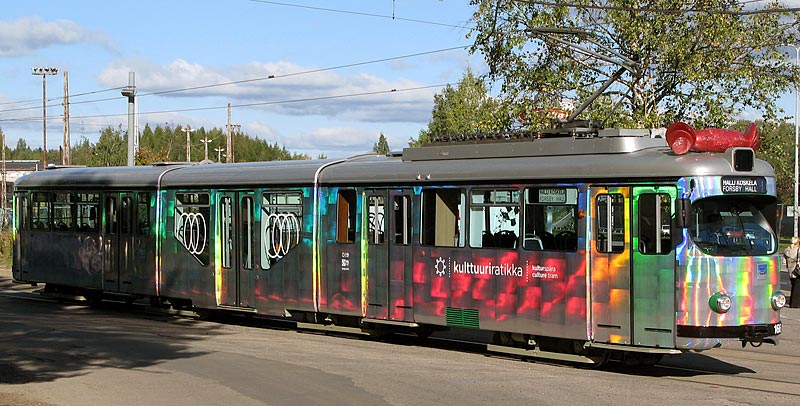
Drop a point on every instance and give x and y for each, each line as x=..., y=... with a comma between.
x=114, y=177
x=560, y=159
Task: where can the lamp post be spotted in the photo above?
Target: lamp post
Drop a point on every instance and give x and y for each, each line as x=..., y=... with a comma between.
x=205, y=141
x=796, y=139
x=219, y=154
x=188, y=130
x=44, y=72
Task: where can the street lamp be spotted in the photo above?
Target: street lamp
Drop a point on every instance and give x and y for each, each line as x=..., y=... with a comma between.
x=796, y=138
x=219, y=154
x=44, y=72
x=205, y=141
x=188, y=130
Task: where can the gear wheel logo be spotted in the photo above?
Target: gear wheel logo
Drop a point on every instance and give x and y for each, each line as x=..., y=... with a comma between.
x=440, y=266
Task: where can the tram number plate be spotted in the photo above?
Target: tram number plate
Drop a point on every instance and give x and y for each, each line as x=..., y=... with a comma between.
x=778, y=328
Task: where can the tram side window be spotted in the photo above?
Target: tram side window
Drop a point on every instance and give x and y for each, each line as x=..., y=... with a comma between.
x=62, y=212
x=87, y=206
x=610, y=224
x=40, y=211
x=281, y=222
x=346, y=217
x=493, y=218
x=443, y=217
x=143, y=214
x=654, y=223
x=192, y=214
x=550, y=218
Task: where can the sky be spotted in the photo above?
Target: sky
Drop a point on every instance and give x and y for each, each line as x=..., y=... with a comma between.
x=318, y=77
x=340, y=78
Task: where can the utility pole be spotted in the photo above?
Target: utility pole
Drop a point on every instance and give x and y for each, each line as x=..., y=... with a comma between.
x=66, y=158
x=3, y=197
x=229, y=136
x=130, y=93
x=188, y=130
x=44, y=72
x=205, y=141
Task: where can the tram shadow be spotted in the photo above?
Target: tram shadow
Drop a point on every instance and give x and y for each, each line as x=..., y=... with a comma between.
x=43, y=341
x=685, y=365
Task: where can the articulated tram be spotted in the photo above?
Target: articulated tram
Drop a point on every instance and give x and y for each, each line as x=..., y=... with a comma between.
x=578, y=247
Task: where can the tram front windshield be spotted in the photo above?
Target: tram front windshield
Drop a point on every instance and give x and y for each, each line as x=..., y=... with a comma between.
x=733, y=227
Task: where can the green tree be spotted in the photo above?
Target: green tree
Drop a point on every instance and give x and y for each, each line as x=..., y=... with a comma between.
x=465, y=109
x=111, y=149
x=382, y=146
x=23, y=152
x=696, y=61
x=777, y=148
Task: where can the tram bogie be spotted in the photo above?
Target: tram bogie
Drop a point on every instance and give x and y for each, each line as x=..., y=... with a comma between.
x=586, y=249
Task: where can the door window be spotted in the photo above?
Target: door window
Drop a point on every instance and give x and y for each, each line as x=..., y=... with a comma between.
x=655, y=223
x=402, y=219
x=376, y=222
x=610, y=225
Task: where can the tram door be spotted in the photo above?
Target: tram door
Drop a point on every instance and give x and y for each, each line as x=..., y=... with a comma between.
x=118, y=240
x=653, y=266
x=611, y=264
x=389, y=287
x=236, y=232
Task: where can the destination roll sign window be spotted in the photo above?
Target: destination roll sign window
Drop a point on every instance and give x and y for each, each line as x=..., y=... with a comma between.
x=732, y=184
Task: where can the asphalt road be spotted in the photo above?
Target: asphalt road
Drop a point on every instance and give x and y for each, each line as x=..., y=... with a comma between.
x=69, y=354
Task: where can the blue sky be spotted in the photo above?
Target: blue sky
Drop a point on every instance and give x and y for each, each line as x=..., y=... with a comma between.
x=184, y=44
x=334, y=71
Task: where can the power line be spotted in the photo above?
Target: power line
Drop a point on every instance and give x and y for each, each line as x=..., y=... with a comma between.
x=302, y=72
x=359, y=13
x=239, y=81
x=56, y=98
x=255, y=104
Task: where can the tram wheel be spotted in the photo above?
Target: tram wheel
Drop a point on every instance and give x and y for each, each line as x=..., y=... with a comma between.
x=92, y=298
x=207, y=314
x=424, y=332
x=600, y=359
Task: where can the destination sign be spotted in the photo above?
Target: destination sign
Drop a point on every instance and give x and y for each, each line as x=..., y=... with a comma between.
x=743, y=185
x=552, y=195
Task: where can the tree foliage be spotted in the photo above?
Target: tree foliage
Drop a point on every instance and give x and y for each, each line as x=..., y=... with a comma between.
x=777, y=148
x=465, y=109
x=697, y=61
x=382, y=146
x=162, y=143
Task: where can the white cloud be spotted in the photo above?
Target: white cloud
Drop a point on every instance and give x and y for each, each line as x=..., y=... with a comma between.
x=341, y=141
x=291, y=90
x=25, y=35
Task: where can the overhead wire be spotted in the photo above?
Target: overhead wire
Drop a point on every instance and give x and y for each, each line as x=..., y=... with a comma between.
x=237, y=82
x=332, y=10
x=254, y=104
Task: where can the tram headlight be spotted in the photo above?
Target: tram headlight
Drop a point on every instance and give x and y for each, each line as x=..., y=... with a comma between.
x=778, y=301
x=720, y=302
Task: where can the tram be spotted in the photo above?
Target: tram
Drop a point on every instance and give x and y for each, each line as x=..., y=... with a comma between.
x=585, y=245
